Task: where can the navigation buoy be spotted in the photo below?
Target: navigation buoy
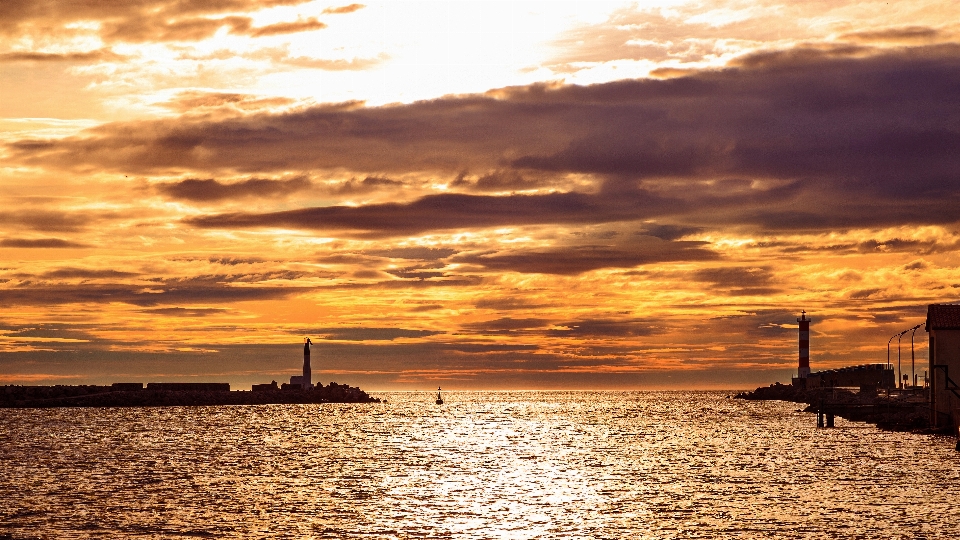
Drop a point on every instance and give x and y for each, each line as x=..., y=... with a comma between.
x=439, y=399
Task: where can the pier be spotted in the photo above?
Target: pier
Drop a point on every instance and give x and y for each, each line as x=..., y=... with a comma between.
x=172, y=395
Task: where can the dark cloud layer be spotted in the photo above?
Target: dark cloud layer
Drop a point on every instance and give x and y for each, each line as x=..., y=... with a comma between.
x=365, y=185
x=423, y=271
x=507, y=325
x=208, y=190
x=571, y=260
x=98, y=55
x=608, y=328
x=86, y=273
x=54, y=332
x=368, y=334
x=191, y=291
x=184, y=312
x=449, y=211
x=414, y=253
x=507, y=303
x=807, y=139
x=40, y=243
x=49, y=221
x=907, y=34
x=737, y=280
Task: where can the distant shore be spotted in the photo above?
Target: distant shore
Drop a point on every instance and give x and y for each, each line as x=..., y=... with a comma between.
x=895, y=412
x=104, y=396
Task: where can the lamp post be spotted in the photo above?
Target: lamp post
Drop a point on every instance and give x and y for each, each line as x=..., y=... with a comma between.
x=899, y=363
x=888, y=358
x=888, y=349
x=899, y=371
x=913, y=366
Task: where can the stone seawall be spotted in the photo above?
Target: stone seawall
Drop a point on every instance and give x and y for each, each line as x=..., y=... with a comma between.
x=894, y=412
x=91, y=396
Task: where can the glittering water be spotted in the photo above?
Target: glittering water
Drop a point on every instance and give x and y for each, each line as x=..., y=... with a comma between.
x=483, y=465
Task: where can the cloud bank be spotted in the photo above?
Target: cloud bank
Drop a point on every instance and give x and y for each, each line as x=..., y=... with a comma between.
x=807, y=139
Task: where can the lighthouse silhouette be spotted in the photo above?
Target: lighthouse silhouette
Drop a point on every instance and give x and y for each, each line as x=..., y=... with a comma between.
x=803, y=369
x=307, y=376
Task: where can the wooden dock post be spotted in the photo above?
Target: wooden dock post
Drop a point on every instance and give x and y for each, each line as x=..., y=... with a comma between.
x=820, y=414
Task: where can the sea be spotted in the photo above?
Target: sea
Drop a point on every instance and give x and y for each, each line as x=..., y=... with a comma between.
x=649, y=465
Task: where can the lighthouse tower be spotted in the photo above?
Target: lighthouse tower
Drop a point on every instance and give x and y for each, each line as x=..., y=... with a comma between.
x=307, y=376
x=803, y=370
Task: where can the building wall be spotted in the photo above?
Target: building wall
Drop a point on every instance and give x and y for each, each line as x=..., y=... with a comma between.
x=267, y=387
x=863, y=376
x=944, y=351
x=189, y=387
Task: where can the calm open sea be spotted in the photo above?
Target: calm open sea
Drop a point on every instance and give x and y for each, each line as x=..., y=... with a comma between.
x=484, y=465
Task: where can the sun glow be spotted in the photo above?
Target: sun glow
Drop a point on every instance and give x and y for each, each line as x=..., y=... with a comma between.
x=471, y=190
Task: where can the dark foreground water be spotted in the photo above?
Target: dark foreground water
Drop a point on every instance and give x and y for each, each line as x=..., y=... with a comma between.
x=484, y=465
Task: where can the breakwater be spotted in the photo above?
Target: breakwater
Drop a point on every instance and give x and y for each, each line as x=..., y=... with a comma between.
x=894, y=412
x=110, y=396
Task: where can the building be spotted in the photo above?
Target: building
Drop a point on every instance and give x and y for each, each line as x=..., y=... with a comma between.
x=188, y=387
x=268, y=387
x=867, y=377
x=943, y=327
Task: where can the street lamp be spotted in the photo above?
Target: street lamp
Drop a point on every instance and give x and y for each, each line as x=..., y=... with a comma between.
x=888, y=357
x=888, y=349
x=899, y=371
x=899, y=363
x=913, y=367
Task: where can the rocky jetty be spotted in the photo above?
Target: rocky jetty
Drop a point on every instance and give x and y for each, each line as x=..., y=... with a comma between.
x=782, y=392
x=894, y=412
x=106, y=396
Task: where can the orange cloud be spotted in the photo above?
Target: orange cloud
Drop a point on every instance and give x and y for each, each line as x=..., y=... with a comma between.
x=306, y=25
x=344, y=9
x=99, y=55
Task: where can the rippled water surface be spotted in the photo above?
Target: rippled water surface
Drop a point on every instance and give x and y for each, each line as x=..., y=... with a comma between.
x=484, y=465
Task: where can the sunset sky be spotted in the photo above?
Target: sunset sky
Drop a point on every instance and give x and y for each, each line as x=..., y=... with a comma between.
x=473, y=194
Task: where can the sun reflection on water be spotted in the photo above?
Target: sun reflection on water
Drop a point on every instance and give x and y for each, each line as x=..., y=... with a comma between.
x=484, y=465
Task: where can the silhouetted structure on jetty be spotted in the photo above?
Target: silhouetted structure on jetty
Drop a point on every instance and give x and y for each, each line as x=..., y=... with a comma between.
x=188, y=387
x=126, y=386
x=305, y=381
x=898, y=412
x=166, y=394
x=106, y=396
x=867, y=377
x=943, y=327
x=828, y=392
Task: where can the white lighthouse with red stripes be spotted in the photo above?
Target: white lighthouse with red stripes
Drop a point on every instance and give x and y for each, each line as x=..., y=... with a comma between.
x=803, y=370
